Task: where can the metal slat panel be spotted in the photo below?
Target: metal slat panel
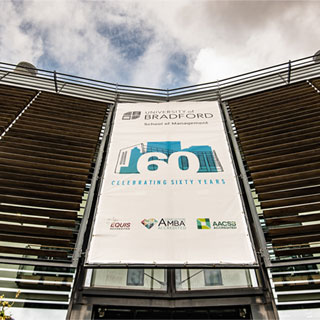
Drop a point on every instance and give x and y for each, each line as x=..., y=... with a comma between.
x=45, y=163
x=278, y=135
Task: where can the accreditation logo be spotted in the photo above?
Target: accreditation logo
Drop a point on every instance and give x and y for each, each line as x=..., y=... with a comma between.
x=203, y=223
x=131, y=115
x=149, y=223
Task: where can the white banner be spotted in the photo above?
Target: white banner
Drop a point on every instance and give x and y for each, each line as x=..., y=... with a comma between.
x=169, y=192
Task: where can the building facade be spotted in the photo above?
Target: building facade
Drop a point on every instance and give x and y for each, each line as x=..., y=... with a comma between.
x=55, y=131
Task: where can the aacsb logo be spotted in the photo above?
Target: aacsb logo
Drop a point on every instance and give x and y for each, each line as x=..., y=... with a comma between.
x=203, y=223
x=131, y=115
x=158, y=157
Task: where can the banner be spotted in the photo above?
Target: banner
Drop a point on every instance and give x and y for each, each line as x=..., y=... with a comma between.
x=169, y=193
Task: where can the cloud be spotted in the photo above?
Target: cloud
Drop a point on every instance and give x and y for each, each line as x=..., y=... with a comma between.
x=15, y=43
x=157, y=43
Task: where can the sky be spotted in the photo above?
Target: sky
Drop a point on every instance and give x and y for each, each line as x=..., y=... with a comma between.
x=161, y=44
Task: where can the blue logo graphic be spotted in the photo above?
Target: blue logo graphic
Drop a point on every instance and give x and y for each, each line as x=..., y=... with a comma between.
x=128, y=157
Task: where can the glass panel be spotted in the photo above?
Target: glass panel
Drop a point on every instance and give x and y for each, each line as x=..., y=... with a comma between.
x=203, y=279
x=137, y=279
x=212, y=277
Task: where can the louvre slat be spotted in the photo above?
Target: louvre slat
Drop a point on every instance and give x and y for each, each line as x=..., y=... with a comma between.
x=8, y=173
x=286, y=135
x=284, y=164
x=43, y=160
x=28, y=163
x=292, y=219
x=273, y=130
x=36, y=231
x=66, y=120
x=35, y=240
x=60, y=140
x=40, y=194
x=46, y=146
x=282, y=95
x=39, y=212
x=39, y=221
x=272, y=109
x=287, y=211
x=289, y=193
x=300, y=112
x=296, y=239
x=299, y=251
x=283, y=152
x=290, y=201
x=21, y=149
x=288, y=185
x=297, y=136
x=284, y=146
x=54, y=129
x=40, y=187
x=288, y=177
x=311, y=229
x=60, y=123
x=37, y=172
x=263, y=163
x=35, y=252
x=67, y=112
x=43, y=203
x=284, y=171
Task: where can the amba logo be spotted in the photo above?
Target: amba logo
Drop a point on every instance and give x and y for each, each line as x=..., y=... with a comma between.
x=165, y=223
x=172, y=224
x=163, y=156
x=149, y=223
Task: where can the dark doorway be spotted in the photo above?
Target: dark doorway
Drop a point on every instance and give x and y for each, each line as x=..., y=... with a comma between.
x=112, y=312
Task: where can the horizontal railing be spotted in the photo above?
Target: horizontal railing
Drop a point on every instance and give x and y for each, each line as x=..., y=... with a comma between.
x=248, y=83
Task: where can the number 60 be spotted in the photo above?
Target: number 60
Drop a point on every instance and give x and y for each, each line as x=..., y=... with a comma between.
x=191, y=162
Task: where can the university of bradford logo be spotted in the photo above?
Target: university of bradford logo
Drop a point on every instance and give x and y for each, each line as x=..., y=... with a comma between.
x=131, y=115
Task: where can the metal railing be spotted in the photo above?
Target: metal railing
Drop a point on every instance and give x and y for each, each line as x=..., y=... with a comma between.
x=247, y=83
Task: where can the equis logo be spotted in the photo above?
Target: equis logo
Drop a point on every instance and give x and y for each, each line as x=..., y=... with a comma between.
x=131, y=115
x=159, y=157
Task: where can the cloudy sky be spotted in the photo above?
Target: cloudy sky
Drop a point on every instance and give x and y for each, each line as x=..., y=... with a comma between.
x=154, y=43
